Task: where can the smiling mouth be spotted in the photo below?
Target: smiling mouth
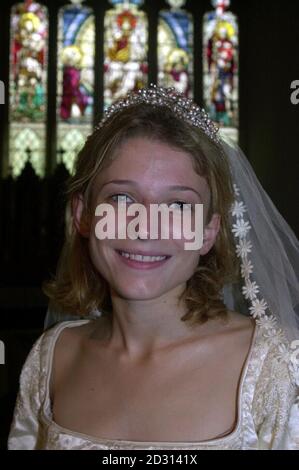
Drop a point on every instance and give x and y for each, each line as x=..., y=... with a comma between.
x=139, y=260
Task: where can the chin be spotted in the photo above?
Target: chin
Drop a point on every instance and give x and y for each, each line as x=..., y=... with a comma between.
x=139, y=293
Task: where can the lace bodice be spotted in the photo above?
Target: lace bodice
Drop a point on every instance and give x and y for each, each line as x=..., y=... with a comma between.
x=268, y=404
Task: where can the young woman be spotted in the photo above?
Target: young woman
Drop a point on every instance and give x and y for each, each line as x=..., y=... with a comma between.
x=176, y=360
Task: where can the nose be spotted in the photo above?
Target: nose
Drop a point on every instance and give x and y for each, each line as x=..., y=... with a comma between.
x=144, y=225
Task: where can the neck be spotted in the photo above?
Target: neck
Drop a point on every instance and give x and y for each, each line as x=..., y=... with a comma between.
x=141, y=328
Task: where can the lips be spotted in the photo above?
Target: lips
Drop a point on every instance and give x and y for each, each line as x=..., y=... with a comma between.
x=142, y=260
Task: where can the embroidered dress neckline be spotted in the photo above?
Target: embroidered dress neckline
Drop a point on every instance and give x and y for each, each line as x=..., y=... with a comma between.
x=47, y=412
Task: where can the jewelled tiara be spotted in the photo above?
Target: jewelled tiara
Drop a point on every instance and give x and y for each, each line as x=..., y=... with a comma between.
x=183, y=107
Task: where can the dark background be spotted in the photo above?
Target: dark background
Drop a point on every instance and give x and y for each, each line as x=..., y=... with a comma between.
x=31, y=211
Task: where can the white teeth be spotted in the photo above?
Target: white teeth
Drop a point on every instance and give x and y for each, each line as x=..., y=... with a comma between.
x=142, y=258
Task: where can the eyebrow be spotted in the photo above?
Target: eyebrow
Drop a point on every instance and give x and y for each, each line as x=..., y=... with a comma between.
x=173, y=187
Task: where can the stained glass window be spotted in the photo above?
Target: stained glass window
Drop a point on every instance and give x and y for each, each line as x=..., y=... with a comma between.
x=28, y=85
x=220, y=66
x=175, y=48
x=76, y=47
x=125, y=49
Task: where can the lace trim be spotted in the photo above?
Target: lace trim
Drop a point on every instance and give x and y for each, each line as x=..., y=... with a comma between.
x=259, y=308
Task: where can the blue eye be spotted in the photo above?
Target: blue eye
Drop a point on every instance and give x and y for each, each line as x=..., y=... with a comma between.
x=183, y=205
x=120, y=197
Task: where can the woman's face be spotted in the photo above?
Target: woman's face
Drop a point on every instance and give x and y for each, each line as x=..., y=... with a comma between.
x=143, y=172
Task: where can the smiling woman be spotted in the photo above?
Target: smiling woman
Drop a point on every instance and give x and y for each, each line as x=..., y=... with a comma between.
x=146, y=161
x=170, y=363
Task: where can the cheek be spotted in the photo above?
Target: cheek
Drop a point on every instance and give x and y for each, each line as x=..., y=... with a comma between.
x=182, y=267
x=185, y=260
x=99, y=249
x=96, y=251
x=188, y=228
x=189, y=264
x=104, y=260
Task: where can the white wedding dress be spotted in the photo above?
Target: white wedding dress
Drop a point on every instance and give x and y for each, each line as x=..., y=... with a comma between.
x=268, y=404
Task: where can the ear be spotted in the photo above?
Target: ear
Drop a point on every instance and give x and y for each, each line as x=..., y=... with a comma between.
x=80, y=217
x=210, y=233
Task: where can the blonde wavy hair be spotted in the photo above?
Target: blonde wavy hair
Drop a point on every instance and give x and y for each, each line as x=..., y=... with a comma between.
x=78, y=288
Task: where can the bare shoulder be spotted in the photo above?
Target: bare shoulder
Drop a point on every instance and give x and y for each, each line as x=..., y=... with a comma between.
x=240, y=325
x=233, y=323
x=240, y=333
x=235, y=331
x=231, y=339
x=238, y=320
x=73, y=338
x=68, y=349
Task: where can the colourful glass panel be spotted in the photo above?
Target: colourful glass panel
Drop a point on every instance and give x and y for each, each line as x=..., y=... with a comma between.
x=28, y=85
x=175, y=50
x=76, y=49
x=220, y=66
x=125, y=49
